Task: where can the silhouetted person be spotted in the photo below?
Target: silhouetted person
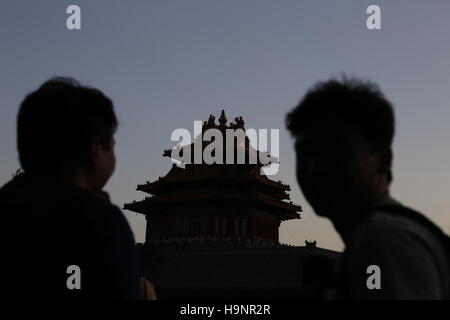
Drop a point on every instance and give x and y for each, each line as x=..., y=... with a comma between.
x=55, y=214
x=343, y=132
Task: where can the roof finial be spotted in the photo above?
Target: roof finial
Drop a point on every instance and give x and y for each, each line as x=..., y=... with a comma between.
x=239, y=122
x=211, y=121
x=223, y=119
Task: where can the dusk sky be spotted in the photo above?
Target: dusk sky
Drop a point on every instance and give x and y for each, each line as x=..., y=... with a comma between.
x=168, y=63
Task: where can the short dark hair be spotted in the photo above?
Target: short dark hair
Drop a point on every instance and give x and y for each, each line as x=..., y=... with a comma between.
x=57, y=123
x=348, y=101
x=351, y=102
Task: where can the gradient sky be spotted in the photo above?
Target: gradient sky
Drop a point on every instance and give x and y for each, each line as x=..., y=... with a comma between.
x=168, y=63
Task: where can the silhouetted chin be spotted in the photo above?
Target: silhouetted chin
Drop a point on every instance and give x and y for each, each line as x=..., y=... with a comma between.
x=321, y=211
x=326, y=211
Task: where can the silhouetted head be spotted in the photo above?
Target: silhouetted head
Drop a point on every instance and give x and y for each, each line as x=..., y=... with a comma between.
x=66, y=128
x=343, y=132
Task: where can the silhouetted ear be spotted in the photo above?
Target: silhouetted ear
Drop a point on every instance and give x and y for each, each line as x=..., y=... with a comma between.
x=386, y=158
x=95, y=150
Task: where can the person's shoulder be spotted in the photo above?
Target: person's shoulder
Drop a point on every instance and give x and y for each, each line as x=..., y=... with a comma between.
x=13, y=185
x=385, y=226
x=103, y=219
x=97, y=205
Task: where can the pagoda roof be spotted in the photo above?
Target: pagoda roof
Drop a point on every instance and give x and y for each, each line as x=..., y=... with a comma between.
x=238, y=185
x=194, y=173
x=251, y=153
x=149, y=204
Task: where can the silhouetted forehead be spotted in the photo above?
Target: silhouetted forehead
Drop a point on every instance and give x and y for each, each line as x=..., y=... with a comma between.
x=332, y=137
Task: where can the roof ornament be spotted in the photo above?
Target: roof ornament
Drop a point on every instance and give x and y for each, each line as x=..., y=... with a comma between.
x=310, y=244
x=223, y=119
x=211, y=120
x=239, y=123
